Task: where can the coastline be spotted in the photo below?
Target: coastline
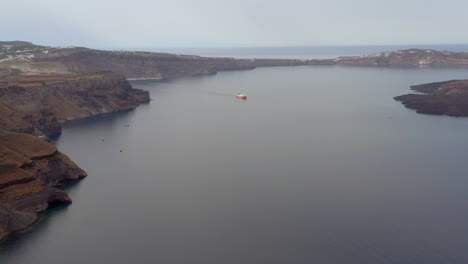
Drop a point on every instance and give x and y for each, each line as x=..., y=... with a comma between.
x=31, y=171
x=449, y=98
x=37, y=96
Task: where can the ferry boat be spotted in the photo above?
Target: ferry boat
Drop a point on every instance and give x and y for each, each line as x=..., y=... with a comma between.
x=241, y=96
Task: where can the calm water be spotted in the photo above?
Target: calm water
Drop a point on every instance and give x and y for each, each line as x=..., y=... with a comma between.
x=319, y=165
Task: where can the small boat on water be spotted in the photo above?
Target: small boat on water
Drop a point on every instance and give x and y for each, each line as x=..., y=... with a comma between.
x=241, y=96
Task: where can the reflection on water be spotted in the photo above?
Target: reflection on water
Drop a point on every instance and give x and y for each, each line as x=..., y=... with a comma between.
x=319, y=165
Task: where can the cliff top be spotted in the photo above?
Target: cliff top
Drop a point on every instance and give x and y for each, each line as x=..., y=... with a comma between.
x=38, y=74
x=26, y=145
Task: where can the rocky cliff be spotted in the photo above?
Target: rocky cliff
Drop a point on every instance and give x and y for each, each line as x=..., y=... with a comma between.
x=35, y=98
x=30, y=169
x=35, y=103
x=41, y=87
x=439, y=98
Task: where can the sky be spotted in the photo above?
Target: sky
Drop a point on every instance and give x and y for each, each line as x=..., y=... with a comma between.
x=233, y=23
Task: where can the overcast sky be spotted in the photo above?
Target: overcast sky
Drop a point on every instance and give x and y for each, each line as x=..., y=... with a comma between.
x=229, y=23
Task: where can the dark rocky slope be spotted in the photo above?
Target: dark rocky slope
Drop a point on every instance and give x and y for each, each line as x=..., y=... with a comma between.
x=439, y=98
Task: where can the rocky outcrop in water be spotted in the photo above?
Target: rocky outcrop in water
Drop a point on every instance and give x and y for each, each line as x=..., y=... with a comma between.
x=30, y=169
x=439, y=98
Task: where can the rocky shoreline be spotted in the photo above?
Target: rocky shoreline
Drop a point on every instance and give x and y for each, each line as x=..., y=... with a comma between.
x=30, y=171
x=38, y=104
x=440, y=98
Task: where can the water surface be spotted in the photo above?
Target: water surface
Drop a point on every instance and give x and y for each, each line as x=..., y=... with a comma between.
x=319, y=165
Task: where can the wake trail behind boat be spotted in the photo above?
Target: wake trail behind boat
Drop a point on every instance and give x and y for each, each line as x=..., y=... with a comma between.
x=219, y=94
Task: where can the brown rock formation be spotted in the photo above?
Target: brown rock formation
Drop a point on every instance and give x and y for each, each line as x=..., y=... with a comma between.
x=37, y=104
x=440, y=98
x=30, y=168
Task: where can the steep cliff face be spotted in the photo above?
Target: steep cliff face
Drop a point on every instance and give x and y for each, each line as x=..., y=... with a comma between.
x=30, y=168
x=37, y=104
x=35, y=98
x=440, y=98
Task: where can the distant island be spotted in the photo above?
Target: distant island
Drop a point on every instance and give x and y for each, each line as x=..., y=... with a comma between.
x=42, y=87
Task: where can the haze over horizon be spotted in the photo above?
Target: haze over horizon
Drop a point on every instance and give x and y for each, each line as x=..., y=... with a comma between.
x=229, y=23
